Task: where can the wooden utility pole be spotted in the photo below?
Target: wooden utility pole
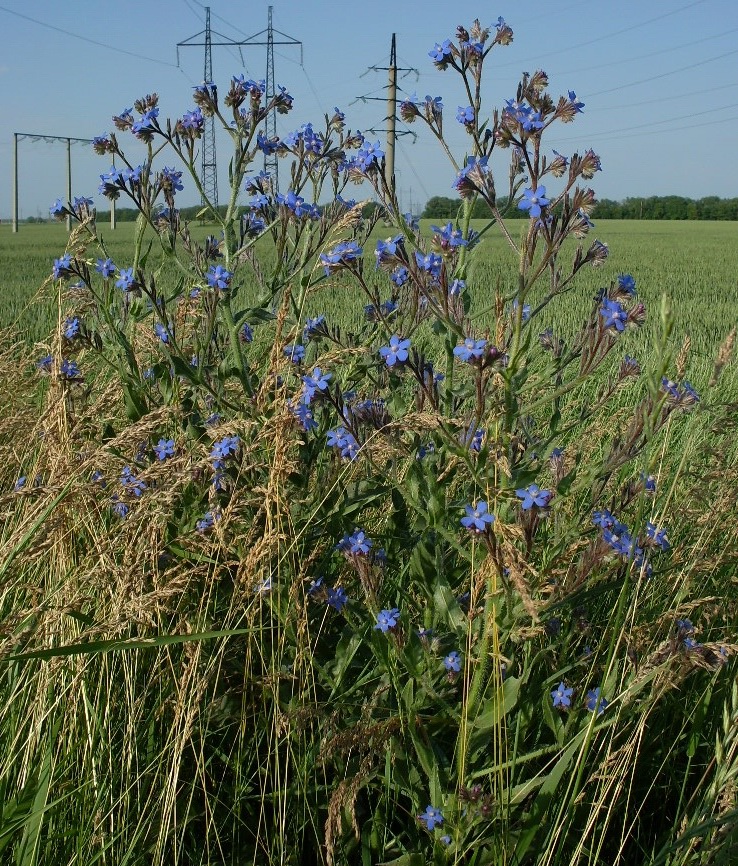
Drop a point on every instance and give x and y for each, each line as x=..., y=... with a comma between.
x=389, y=165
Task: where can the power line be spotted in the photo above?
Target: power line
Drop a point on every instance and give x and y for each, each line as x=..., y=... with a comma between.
x=86, y=39
x=664, y=74
x=221, y=18
x=659, y=122
x=615, y=137
x=660, y=99
x=201, y=20
x=621, y=62
x=412, y=169
x=632, y=27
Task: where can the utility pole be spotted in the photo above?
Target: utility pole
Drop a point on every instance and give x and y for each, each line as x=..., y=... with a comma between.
x=271, y=165
x=50, y=139
x=391, y=118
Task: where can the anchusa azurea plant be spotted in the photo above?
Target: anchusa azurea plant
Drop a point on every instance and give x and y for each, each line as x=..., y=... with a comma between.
x=415, y=591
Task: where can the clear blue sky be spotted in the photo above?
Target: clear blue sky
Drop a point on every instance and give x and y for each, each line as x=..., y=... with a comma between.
x=659, y=79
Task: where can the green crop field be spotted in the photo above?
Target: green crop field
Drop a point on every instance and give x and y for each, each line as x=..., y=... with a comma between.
x=693, y=263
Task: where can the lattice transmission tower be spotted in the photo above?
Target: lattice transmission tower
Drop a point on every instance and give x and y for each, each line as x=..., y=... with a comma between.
x=209, y=170
x=209, y=162
x=271, y=164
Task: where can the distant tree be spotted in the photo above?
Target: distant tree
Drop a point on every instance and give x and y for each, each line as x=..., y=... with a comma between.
x=441, y=207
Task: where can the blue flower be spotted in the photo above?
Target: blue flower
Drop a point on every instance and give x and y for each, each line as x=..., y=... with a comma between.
x=57, y=210
x=296, y=353
x=657, y=536
x=477, y=517
x=577, y=106
x=193, y=121
x=161, y=332
x=449, y=236
x=304, y=415
x=218, y=277
x=368, y=156
x=533, y=495
x=622, y=542
x=465, y=115
x=345, y=441
x=431, y=818
x=562, y=696
x=171, y=179
x=292, y=202
x=388, y=251
x=396, y=352
x=523, y=114
x=470, y=349
x=685, y=626
x=613, y=314
x=62, y=267
x=313, y=327
x=456, y=288
x=45, y=363
x=340, y=256
x=649, y=483
x=359, y=543
x=246, y=333
x=206, y=522
x=594, y=702
x=387, y=619
x=120, y=509
x=452, y=662
x=533, y=200
x=69, y=369
x=20, y=483
x=690, y=395
x=336, y=598
x=316, y=382
x=400, y=275
x=106, y=267
x=130, y=482
x=225, y=447
x=627, y=284
x=71, y=328
x=125, y=280
x=441, y=52
x=430, y=263
x=604, y=519
x=164, y=449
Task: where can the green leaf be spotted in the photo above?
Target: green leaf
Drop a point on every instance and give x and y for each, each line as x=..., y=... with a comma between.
x=414, y=859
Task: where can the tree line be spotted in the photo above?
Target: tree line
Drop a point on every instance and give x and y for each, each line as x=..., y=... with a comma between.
x=668, y=207
x=439, y=207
